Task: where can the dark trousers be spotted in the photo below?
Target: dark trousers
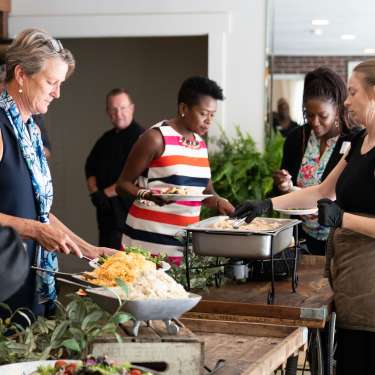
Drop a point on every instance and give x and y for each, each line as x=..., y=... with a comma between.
x=355, y=352
x=314, y=246
x=110, y=238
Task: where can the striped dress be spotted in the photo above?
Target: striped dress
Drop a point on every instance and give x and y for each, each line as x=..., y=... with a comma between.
x=154, y=227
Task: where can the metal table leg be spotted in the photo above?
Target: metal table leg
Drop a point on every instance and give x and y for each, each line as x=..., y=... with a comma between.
x=295, y=275
x=291, y=365
x=187, y=265
x=271, y=294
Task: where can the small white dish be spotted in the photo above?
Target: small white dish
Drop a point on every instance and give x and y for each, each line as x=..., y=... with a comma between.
x=297, y=211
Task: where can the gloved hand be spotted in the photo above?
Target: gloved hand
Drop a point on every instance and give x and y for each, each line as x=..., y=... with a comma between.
x=100, y=200
x=252, y=209
x=330, y=214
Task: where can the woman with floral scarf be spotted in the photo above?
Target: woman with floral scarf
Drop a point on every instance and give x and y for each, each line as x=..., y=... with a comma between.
x=36, y=66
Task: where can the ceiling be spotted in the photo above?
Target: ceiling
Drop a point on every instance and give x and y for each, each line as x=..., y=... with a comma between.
x=293, y=29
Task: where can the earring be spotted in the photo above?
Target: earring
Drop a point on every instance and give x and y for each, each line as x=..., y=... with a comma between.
x=336, y=124
x=20, y=90
x=182, y=114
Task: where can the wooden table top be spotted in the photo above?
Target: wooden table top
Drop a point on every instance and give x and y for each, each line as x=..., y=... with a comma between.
x=309, y=306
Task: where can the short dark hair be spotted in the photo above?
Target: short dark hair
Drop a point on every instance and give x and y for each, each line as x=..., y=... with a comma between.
x=323, y=83
x=117, y=91
x=194, y=87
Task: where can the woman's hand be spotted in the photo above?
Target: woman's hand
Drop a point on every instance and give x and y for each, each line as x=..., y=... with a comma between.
x=330, y=213
x=252, y=209
x=54, y=239
x=282, y=180
x=224, y=206
x=96, y=252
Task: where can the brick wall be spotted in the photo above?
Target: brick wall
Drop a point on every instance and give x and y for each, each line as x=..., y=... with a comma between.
x=304, y=64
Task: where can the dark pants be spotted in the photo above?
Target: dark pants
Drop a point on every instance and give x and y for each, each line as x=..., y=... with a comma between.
x=111, y=222
x=110, y=238
x=314, y=246
x=355, y=352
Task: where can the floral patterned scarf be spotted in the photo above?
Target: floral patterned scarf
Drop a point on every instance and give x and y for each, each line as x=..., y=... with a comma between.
x=310, y=173
x=30, y=143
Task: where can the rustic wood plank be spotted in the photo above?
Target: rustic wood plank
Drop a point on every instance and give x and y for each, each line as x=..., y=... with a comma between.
x=243, y=348
x=257, y=319
x=145, y=334
x=237, y=328
x=238, y=351
x=274, y=358
x=184, y=334
x=181, y=358
x=309, y=306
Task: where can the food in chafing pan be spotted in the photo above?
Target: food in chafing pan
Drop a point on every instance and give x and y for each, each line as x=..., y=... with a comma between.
x=258, y=224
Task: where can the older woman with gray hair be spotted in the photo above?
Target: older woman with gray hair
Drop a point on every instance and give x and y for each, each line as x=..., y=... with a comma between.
x=36, y=66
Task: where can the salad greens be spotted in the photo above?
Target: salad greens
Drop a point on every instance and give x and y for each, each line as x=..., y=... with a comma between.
x=91, y=365
x=155, y=258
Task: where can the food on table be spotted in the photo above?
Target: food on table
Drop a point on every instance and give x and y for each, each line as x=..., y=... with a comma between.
x=124, y=266
x=155, y=258
x=155, y=284
x=143, y=280
x=175, y=190
x=258, y=224
x=91, y=366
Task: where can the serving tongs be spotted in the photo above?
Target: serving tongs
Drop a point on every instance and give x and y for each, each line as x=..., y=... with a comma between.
x=74, y=276
x=236, y=222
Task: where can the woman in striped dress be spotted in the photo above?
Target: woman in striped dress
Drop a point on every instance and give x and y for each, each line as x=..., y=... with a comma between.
x=172, y=154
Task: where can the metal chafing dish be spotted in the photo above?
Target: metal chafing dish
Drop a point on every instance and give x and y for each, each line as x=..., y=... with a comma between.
x=255, y=244
x=206, y=240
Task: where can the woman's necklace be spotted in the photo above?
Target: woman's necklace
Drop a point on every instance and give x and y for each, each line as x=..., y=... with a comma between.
x=189, y=143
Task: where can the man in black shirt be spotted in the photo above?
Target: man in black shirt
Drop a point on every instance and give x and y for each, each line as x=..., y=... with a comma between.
x=104, y=165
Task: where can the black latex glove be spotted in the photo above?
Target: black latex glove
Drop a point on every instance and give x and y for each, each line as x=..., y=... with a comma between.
x=330, y=214
x=100, y=200
x=252, y=209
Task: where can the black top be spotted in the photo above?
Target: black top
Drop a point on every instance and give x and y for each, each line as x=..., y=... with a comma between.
x=283, y=131
x=356, y=185
x=13, y=268
x=17, y=199
x=109, y=154
x=295, y=146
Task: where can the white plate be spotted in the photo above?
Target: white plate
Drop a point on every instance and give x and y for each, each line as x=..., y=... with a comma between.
x=29, y=368
x=183, y=197
x=165, y=266
x=301, y=211
x=26, y=368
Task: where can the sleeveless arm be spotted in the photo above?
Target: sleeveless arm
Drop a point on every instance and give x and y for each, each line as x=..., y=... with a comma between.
x=149, y=146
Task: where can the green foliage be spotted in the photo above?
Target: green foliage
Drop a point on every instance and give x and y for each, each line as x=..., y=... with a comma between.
x=68, y=335
x=202, y=271
x=240, y=171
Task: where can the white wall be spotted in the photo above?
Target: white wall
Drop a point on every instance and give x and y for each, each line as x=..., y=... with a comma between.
x=235, y=28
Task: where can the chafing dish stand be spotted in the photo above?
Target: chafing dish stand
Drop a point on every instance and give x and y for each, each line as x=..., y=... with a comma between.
x=271, y=294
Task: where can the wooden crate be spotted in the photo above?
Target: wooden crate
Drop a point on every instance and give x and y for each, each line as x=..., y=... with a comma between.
x=181, y=354
x=247, y=348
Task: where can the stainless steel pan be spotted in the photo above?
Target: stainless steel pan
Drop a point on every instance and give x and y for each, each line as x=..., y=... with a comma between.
x=240, y=243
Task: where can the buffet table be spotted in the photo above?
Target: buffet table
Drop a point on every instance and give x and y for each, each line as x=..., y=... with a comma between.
x=310, y=306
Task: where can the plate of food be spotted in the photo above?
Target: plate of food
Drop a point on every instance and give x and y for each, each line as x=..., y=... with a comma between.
x=91, y=365
x=183, y=197
x=174, y=194
x=297, y=211
x=158, y=259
